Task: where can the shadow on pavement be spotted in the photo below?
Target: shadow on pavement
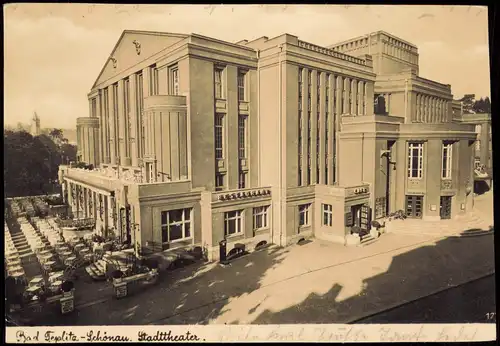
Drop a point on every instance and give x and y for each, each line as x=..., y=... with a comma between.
x=403, y=281
x=204, y=293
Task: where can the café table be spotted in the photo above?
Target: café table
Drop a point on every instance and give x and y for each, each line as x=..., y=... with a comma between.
x=46, y=258
x=36, y=281
x=55, y=277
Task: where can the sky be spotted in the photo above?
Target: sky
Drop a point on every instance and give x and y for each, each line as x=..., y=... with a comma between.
x=54, y=52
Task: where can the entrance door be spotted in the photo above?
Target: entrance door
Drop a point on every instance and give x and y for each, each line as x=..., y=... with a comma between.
x=445, y=207
x=414, y=206
x=356, y=215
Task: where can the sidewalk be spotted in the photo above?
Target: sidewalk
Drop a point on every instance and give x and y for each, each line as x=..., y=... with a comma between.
x=318, y=282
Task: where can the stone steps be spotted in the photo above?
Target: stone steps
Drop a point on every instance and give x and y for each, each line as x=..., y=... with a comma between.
x=367, y=240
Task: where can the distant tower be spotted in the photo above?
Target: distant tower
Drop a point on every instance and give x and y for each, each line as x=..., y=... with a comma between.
x=35, y=125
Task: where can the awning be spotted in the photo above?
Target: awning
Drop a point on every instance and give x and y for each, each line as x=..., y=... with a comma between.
x=99, y=190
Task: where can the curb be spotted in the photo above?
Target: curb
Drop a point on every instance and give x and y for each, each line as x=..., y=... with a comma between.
x=397, y=305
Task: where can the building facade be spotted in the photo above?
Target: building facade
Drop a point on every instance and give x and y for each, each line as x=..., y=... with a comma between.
x=197, y=140
x=483, y=153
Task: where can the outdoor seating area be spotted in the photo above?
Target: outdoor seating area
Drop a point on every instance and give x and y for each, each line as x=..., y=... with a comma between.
x=41, y=206
x=27, y=206
x=16, y=208
x=76, y=223
x=13, y=266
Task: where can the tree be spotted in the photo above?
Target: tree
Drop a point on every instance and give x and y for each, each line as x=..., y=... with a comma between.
x=482, y=105
x=31, y=163
x=468, y=103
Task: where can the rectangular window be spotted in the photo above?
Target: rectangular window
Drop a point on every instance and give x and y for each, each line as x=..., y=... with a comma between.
x=299, y=137
x=105, y=104
x=327, y=151
x=117, y=122
x=176, y=225
x=447, y=157
x=415, y=160
x=126, y=111
x=242, y=179
x=154, y=80
x=140, y=116
x=241, y=86
x=260, y=217
x=309, y=148
x=478, y=145
x=233, y=222
x=242, y=136
x=219, y=136
x=304, y=219
x=218, y=83
x=174, y=80
x=219, y=182
x=93, y=103
x=318, y=131
x=327, y=215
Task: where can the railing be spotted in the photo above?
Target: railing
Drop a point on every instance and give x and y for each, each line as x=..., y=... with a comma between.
x=331, y=52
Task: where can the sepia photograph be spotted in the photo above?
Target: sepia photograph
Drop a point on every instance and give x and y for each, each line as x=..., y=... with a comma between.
x=253, y=166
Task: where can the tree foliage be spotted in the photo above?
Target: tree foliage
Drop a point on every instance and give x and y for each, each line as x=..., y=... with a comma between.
x=31, y=163
x=482, y=105
x=467, y=103
x=471, y=105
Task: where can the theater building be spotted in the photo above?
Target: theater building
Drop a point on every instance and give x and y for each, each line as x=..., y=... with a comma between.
x=195, y=140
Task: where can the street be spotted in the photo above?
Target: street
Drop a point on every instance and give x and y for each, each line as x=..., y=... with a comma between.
x=473, y=302
x=313, y=283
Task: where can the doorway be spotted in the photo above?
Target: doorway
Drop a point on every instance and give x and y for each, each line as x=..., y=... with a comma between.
x=414, y=206
x=356, y=215
x=389, y=176
x=445, y=207
x=361, y=216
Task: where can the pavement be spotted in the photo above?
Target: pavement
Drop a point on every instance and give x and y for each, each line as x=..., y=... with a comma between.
x=319, y=282
x=473, y=302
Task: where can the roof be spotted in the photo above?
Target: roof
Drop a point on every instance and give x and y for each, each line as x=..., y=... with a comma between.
x=157, y=33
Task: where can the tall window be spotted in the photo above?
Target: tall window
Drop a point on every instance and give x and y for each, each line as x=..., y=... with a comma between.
x=241, y=86
x=344, y=90
x=140, y=116
x=327, y=215
x=260, y=217
x=233, y=222
x=318, y=125
x=415, y=160
x=176, y=225
x=174, y=80
x=105, y=105
x=219, y=182
x=126, y=111
x=447, y=157
x=478, y=145
x=299, y=173
x=364, y=98
x=93, y=103
x=219, y=136
x=327, y=119
x=154, y=80
x=242, y=135
x=309, y=147
x=117, y=121
x=218, y=83
x=242, y=179
x=304, y=219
